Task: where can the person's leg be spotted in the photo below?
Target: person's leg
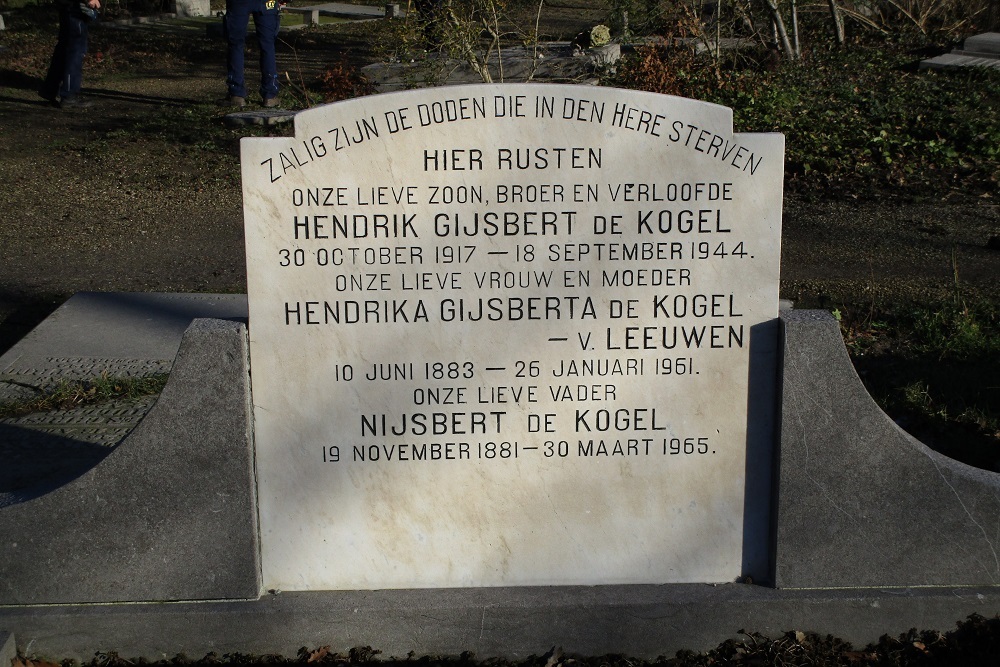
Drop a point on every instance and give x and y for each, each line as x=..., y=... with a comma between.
x=66, y=67
x=235, y=27
x=76, y=48
x=266, y=25
x=57, y=65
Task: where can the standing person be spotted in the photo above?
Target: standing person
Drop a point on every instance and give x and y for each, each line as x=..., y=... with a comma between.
x=266, y=21
x=62, y=83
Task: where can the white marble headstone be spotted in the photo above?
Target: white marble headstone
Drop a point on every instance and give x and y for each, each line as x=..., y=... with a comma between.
x=500, y=336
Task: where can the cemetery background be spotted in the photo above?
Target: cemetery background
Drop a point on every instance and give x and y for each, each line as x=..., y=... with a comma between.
x=143, y=195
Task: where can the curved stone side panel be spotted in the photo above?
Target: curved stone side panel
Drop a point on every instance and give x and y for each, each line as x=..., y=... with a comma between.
x=169, y=514
x=861, y=503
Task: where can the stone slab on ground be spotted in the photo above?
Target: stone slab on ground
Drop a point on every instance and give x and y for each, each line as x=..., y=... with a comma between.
x=954, y=60
x=133, y=326
x=118, y=334
x=267, y=117
x=169, y=514
x=312, y=13
x=977, y=51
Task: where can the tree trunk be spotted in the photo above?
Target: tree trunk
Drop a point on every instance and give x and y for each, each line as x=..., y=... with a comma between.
x=779, y=26
x=838, y=21
x=795, y=31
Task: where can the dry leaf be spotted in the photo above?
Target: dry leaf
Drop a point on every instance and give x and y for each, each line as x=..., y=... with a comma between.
x=318, y=654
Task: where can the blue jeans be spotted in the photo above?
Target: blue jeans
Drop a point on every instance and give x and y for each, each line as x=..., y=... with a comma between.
x=66, y=67
x=266, y=22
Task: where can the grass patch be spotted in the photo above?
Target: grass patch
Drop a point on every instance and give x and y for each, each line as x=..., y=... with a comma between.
x=67, y=394
x=935, y=369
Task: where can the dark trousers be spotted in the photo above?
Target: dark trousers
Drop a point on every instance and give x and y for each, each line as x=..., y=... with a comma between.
x=266, y=21
x=66, y=67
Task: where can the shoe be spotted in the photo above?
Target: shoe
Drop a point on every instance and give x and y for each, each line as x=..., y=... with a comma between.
x=75, y=102
x=50, y=97
x=271, y=102
x=232, y=101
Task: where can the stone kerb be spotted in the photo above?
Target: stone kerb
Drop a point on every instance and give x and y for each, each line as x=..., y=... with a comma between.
x=861, y=503
x=169, y=514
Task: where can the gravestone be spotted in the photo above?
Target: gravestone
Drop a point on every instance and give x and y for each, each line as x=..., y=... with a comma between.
x=986, y=44
x=184, y=8
x=976, y=51
x=512, y=335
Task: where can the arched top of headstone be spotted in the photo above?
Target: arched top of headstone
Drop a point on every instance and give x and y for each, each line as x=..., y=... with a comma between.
x=554, y=111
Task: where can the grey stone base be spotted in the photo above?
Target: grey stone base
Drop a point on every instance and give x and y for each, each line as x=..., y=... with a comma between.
x=169, y=514
x=8, y=650
x=639, y=621
x=859, y=501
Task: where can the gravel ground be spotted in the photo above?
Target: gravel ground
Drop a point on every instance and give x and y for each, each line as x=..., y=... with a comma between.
x=125, y=196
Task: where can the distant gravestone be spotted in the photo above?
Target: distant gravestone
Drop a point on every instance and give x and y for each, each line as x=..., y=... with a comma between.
x=501, y=335
x=987, y=44
x=185, y=8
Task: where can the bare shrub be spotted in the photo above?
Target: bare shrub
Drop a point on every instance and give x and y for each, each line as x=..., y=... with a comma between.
x=341, y=81
x=949, y=17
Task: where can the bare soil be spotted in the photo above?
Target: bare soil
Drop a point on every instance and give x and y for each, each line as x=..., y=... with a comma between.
x=142, y=192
